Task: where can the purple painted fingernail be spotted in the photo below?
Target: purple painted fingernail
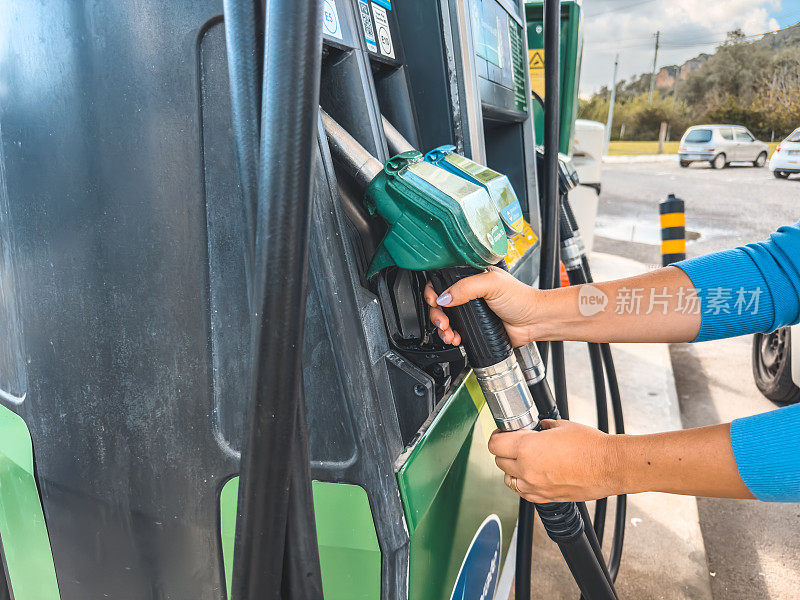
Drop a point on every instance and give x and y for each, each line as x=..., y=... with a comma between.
x=437, y=323
x=444, y=299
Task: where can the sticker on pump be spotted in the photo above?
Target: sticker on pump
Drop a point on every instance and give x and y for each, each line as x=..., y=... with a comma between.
x=499, y=188
x=480, y=570
x=330, y=20
x=366, y=24
x=383, y=31
x=476, y=205
x=536, y=66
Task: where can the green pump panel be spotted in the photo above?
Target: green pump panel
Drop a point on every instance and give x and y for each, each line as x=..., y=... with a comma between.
x=571, y=52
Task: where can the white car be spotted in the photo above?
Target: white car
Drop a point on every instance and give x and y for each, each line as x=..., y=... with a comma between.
x=786, y=159
x=720, y=145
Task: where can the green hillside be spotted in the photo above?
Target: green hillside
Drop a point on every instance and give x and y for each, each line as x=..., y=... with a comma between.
x=751, y=82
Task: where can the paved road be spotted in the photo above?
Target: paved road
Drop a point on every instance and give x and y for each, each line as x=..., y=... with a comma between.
x=727, y=207
x=753, y=549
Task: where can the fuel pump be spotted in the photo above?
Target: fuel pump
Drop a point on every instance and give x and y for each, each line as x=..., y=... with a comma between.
x=450, y=227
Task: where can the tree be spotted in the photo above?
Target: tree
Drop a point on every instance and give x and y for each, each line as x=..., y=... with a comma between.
x=750, y=83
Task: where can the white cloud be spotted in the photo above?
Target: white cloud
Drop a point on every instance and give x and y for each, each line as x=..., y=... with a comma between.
x=688, y=27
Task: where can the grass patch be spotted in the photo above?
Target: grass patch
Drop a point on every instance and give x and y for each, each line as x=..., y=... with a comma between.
x=630, y=148
x=633, y=148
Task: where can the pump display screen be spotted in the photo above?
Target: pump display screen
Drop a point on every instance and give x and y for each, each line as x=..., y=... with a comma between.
x=477, y=206
x=499, y=187
x=497, y=37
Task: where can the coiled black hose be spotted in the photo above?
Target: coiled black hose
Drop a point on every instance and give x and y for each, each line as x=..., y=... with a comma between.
x=582, y=274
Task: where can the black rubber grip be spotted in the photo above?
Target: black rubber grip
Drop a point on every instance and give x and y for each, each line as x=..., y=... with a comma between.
x=561, y=520
x=564, y=227
x=482, y=332
x=573, y=222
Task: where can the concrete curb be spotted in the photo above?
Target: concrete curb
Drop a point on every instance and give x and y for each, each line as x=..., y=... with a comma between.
x=664, y=554
x=639, y=158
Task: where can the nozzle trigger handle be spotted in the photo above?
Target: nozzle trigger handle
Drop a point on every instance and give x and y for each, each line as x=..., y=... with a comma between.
x=482, y=332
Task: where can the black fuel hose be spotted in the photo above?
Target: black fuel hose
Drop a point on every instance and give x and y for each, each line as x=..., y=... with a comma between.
x=243, y=70
x=579, y=273
x=262, y=568
x=558, y=366
x=548, y=268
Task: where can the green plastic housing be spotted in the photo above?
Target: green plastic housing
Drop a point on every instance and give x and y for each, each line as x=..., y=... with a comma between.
x=571, y=51
x=436, y=219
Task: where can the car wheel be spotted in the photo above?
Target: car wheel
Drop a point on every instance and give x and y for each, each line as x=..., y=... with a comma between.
x=772, y=366
x=760, y=160
x=685, y=163
x=780, y=175
x=719, y=162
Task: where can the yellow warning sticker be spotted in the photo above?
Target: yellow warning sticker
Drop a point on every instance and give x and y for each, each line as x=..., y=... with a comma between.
x=519, y=245
x=536, y=65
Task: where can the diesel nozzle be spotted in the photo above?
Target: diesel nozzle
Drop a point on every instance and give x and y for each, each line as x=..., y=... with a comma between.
x=428, y=203
x=450, y=227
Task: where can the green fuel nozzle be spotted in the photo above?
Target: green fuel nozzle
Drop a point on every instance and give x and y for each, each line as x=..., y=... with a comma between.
x=449, y=227
x=436, y=219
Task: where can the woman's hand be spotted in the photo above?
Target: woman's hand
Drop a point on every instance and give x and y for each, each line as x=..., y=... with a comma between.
x=571, y=462
x=513, y=301
x=564, y=462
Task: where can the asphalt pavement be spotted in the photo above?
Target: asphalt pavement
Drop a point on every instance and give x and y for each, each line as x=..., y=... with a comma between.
x=752, y=548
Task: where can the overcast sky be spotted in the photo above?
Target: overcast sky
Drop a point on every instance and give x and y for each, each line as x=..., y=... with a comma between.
x=688, y=27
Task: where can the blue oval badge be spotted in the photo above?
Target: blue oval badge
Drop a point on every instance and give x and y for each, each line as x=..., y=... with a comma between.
x=480, y=569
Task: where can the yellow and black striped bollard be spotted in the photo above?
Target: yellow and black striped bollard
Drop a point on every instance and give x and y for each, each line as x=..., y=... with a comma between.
x=673, y=230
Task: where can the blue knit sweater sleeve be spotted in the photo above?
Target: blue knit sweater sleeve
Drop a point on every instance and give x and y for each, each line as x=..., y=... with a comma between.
x=750, y=289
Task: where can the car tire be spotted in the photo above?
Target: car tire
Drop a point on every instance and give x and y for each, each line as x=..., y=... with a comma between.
x=772, y=366
x=780, y=175
x=760, y=160
x=685, y=163
x=718, y=162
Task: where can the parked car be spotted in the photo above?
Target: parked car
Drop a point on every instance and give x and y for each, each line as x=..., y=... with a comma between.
x=720, y=145
x=786, y=158
x=776, y=364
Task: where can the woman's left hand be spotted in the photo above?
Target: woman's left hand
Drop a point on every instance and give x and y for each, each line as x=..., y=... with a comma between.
x=564, y=462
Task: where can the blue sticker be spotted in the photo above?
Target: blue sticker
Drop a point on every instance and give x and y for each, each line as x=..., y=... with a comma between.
x=366, y=24
x=387, y=4
x=512, y=212
x=480, y=569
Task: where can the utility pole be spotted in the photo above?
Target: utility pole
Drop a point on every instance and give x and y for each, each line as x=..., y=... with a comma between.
x=610, y=120
x=653, y=76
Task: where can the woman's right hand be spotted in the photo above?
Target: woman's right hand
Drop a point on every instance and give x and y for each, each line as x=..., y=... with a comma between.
x=513, y=301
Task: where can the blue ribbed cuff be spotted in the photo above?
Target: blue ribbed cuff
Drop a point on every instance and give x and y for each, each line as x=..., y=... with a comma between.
x=767, y=452
x=734, y=298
